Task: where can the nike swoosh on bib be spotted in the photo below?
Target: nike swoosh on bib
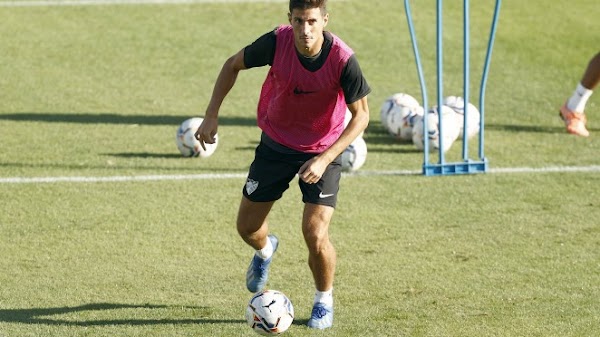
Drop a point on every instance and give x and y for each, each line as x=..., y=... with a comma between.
x=302, y=92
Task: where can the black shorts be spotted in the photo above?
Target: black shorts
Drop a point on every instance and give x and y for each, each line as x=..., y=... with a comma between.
x=271, y=172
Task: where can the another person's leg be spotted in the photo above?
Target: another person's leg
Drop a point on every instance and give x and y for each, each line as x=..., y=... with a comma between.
x=591, y=77
x=572, y=112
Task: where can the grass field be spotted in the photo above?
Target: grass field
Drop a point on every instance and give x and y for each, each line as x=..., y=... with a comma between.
x=96, y=92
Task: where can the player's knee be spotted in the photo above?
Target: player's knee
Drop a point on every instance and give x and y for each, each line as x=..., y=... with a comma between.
x=317, y=241
x=242, y=229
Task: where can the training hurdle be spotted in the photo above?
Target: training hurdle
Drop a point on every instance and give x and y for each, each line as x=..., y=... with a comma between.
x=468, y=165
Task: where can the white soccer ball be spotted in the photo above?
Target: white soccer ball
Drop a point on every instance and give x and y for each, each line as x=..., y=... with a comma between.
x=398, y=101
x=449, y=124
x=401, y=120
x=355, y=155
x=457, y=104
x=187, y=143
x=347, y=118
x=269, y=313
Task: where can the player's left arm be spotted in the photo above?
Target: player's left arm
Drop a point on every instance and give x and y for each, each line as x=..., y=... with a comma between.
x=312, y=171
x=358, y=123
x=355, y=89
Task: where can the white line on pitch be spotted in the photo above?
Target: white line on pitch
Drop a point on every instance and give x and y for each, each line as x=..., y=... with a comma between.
x=215, y=176
x=548, y=169
x=42, y=3
x=592, y=168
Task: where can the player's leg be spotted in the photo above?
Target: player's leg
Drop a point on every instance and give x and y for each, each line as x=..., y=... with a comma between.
x=322, y=261
x=253, y=228
x=267, y=179
x=252, y=223
x=319, y=203
x=572, y=112
x=321, y=253
x=591, y=77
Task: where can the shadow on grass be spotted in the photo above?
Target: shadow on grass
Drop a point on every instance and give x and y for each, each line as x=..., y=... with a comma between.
x=116, y=168
x=300, y=322
x=375, y=129
x=113, y=118
x=143, y=155
x=530, y=128
x=525, y=128
x=40, y=315
x=378, y=135
x=380, y=141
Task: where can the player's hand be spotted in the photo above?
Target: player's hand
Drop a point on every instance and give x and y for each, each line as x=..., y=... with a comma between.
x=312, y=171
x=206, y=132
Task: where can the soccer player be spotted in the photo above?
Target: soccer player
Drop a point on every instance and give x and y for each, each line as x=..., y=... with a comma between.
x=313, y=77
x=572, y=113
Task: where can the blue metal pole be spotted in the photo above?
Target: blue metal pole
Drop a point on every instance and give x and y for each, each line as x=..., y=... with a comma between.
x=466, y=76
x=485, y=76
x=413, y=38
x=439, y=57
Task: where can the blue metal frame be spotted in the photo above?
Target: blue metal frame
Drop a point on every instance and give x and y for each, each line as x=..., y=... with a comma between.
x=468, y=166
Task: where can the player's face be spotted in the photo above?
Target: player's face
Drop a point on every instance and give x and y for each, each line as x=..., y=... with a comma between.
x=308, y=27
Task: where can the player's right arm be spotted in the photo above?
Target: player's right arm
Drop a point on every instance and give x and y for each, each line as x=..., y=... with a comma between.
x=257, y=54
x=208, y=129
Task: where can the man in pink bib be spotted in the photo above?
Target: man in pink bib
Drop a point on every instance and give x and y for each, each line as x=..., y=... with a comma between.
x=314, y=77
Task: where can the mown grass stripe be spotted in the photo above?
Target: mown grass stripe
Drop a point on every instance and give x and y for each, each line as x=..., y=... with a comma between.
x=119, y=2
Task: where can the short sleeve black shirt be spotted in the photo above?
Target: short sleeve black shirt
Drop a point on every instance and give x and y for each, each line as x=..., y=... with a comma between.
x=261, y=52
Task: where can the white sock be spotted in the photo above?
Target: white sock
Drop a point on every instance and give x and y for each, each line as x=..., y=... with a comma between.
x=579, y=99
x=325, y=297
x=267, y=251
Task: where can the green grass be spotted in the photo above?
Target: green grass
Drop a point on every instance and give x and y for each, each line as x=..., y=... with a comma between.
x=100, y=90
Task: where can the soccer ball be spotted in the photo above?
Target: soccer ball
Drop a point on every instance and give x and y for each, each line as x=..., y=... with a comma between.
x=399, y=101
x=450, y=131
x=401, y=120
x=473, y=115
x=187, y=143
x=355, y=155
x=269, y=313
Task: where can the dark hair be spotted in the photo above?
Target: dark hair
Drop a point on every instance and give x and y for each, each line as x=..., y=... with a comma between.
x=308, y=4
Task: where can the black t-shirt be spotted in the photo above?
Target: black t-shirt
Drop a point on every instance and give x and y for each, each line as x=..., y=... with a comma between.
x=262, y=51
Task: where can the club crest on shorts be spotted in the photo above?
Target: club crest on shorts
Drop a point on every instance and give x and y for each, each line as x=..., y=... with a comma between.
x=251, y=186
